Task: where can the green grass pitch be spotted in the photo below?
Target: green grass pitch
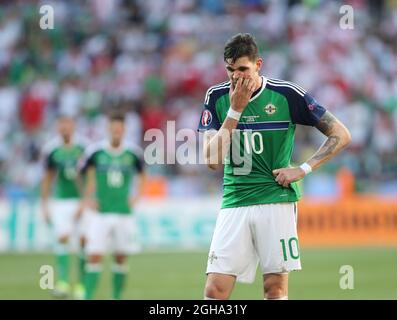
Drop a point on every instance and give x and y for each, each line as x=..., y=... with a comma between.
x=180, y=276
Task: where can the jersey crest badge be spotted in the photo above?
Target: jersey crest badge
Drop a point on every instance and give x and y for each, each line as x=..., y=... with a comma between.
x=270, y=109
x=206, y=119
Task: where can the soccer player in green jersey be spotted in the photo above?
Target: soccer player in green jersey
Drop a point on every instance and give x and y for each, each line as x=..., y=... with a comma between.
x=111, y=167
x=249, y=122
x=64, y=214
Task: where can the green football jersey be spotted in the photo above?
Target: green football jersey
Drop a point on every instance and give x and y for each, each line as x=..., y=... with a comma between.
x=64, y=161
x=263, y=141
x=114, y=173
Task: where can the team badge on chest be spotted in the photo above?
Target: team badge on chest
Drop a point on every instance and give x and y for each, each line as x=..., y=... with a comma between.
x=270, y=109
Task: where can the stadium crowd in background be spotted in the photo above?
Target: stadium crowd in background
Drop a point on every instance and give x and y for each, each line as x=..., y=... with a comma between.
x=154, y=59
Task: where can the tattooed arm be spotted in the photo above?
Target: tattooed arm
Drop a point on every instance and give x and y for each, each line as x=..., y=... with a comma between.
x=338, y=137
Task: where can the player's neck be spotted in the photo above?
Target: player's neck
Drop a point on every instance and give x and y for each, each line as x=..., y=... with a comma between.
x=115, y=144
x=67, y=141
x=259, y=82
x=258, y=86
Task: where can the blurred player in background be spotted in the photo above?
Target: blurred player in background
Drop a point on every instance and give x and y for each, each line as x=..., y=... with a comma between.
x=257, y=222
x=111, y=167
x=62, y=155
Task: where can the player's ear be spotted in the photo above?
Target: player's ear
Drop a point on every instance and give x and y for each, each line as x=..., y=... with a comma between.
x=259, y=63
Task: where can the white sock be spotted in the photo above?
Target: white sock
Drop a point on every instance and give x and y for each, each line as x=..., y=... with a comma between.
x=61, y=248
x=120, y=268
x=93, y=267
x=207, y=298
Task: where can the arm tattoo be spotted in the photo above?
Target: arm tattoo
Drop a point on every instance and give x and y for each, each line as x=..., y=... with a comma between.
x=328, y=148
x=337, y=137
x=326, y=123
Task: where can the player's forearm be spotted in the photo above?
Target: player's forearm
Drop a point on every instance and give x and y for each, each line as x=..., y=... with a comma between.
x=329, y=149
x=46, y=188
x=141, y=185
x=89, y=187
x=89, y=191
x=88, y=201
x=80, y=184
x=338, y=137
x=44, y=196
x=44, y=191
x=217, y=146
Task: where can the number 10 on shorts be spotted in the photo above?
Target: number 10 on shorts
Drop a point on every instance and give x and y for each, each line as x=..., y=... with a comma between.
x=293, y=248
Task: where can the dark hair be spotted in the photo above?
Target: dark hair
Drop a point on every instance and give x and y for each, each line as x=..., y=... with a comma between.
x=116, y=116
x=241, y=45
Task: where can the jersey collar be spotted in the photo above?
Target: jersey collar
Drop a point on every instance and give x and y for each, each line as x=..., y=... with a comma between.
x=113, y=151
x=71, y=143
x=264, y=81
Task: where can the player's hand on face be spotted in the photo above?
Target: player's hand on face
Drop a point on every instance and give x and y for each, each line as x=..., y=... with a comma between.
x=241, y=93
x=285, y=176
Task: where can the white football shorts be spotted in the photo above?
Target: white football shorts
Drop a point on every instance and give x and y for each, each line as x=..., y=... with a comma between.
x=63, y=214
x=112, y=231
x=263, y=234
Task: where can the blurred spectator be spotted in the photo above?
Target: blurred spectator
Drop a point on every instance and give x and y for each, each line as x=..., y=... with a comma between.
x=32, y=111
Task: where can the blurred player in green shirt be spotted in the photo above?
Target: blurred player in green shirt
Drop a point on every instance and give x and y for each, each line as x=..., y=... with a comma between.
x=110, y=167
x=61, y=156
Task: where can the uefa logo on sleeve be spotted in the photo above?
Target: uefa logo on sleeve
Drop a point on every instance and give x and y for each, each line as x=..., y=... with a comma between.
x=311, y=106
x=206, y=119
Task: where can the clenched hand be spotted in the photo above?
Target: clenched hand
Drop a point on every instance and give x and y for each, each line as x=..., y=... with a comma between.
x=284, y=176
